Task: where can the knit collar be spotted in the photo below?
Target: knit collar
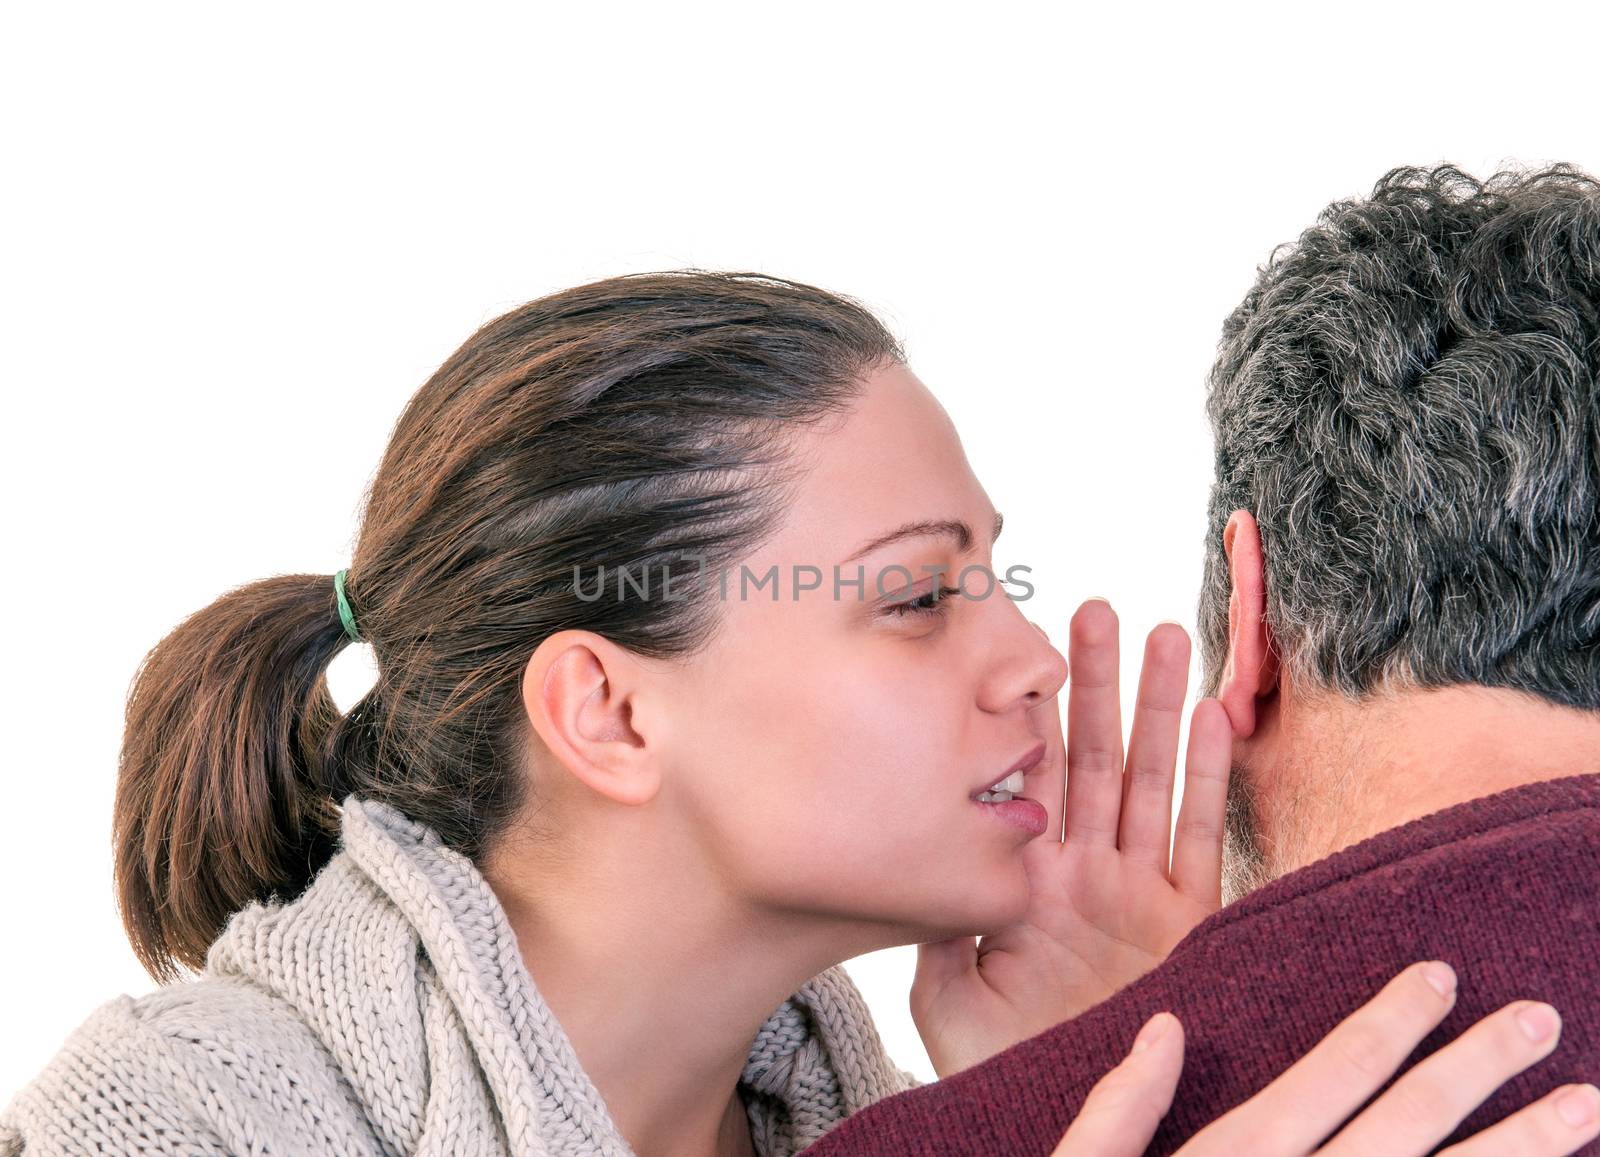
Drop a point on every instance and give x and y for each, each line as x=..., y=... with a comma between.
x=399, y=956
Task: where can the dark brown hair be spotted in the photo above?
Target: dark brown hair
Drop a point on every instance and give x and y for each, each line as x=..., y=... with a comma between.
x=636, y=421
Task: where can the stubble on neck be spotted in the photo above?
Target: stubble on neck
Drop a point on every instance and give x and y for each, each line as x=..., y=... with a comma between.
x=1245, y=865
x=1307, y=817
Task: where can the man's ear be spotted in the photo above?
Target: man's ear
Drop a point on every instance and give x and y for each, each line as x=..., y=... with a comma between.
x=1252, y=667
x=579, y=692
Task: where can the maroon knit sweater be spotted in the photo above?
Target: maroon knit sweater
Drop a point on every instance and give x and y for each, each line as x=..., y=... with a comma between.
x=1505, y=888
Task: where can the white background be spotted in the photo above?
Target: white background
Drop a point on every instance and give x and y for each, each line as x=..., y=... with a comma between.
x=237, y=239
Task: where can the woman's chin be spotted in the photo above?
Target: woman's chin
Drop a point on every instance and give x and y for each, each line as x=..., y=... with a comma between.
x=996, y=900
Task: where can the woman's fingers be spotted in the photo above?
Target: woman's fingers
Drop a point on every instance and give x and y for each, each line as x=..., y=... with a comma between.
x=1292, y=1115
x=1317, y=1093
x=1094, y=726
x=1121, y=1112
x=1295, y=1112
x=1559, y=1123
x=1153, y=748
x=1431, y=1099
x=1197, y=840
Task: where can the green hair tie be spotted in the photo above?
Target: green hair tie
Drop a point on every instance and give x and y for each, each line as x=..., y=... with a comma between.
x=345, y=614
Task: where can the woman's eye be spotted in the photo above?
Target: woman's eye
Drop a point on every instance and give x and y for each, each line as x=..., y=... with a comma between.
x=921, y=605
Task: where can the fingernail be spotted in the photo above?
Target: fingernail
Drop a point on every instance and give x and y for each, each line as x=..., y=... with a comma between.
x=1579, y=1105
x=1150, y=1033
x=1097, y=599
x=1441, y=976
x=1538, y=1021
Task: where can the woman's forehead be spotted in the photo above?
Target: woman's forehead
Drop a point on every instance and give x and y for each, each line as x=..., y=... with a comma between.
x=896, y=458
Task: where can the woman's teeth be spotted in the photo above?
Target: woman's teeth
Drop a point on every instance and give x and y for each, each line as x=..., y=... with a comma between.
x=1000, y=792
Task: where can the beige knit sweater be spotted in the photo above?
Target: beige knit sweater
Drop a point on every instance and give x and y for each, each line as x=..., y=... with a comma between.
x=387, y=1011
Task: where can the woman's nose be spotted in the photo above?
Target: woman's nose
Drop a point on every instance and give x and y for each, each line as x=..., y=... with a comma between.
x=1029, y=669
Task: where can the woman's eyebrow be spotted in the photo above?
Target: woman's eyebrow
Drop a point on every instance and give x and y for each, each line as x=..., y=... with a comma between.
x=954, y=527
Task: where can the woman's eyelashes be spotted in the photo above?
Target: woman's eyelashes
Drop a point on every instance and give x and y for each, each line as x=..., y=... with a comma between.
x=937, y=600
x=920, y=605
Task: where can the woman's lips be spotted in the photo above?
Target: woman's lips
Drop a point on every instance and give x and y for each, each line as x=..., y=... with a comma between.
x=1024, y=763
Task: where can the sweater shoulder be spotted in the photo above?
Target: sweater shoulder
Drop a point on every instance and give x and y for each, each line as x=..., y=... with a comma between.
x=114, y=1085
x=1541, y=838
x=198, y=1068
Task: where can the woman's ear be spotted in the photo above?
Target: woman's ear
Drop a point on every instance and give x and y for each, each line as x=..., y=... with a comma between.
x=1252, y=667
x=578, y=691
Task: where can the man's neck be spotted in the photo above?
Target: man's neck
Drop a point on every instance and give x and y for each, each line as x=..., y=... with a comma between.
x=1330, y=772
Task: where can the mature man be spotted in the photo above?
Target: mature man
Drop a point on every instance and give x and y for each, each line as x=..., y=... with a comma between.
x=1406, y=410
x=1401, y=617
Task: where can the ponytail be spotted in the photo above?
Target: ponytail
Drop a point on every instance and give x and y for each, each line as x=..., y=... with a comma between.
x=222, y=796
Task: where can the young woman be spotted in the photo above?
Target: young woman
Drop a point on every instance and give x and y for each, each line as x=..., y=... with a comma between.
x=677, y=709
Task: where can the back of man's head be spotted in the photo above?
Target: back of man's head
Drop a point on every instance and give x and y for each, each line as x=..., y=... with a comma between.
x=1408, y=401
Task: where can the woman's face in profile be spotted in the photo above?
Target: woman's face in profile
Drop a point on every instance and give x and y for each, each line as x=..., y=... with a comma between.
x=827, y=746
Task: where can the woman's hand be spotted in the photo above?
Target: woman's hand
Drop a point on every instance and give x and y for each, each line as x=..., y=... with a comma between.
x=1296, y=1112
x=1104, y=907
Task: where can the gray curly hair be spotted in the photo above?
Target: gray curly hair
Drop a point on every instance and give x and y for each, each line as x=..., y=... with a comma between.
x=1407, y=402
